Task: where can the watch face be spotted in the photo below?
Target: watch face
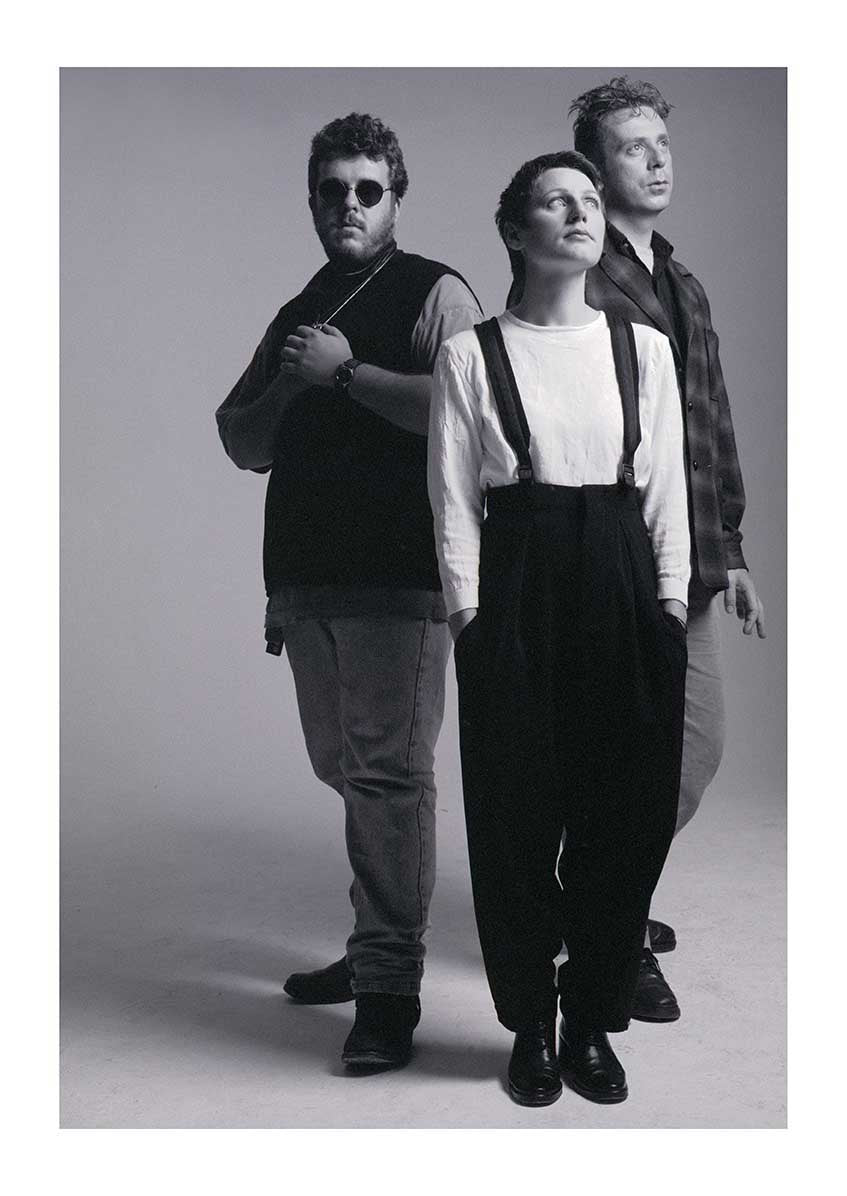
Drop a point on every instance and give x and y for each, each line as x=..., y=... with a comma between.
x=344, y=373
x=343, y=377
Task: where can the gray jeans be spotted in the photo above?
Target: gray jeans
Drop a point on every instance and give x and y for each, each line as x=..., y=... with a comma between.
x=370, y=690
x=703, y=737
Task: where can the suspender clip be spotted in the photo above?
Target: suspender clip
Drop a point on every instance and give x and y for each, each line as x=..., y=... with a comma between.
x=628, y=476
x=524, y=473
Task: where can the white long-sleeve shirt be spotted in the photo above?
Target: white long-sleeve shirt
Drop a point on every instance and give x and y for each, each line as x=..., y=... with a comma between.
x=567, y=382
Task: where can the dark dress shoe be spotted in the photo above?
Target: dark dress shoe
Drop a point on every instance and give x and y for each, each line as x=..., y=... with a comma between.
x=662, y=937
x=382, y=1032
x=590, y=1066
x=533, y=1069
x=327, y=986
x=654, y=1000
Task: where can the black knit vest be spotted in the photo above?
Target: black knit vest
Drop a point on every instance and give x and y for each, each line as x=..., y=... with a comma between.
x=347, y=501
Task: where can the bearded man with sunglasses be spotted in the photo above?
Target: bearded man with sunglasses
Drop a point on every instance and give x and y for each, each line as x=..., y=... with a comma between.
x=335, y=403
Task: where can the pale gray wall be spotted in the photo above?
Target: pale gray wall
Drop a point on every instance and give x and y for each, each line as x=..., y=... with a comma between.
x=184, y=227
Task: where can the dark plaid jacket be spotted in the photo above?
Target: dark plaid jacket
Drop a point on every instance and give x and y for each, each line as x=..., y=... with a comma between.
x=716, y=492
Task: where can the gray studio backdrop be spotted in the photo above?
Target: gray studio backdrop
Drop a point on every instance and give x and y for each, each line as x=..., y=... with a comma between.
x=201, y=858
x=184, y=228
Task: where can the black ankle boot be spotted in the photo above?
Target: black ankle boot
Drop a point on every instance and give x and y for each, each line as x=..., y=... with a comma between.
x=533, y=1071
x=654, y=1000
x=382, y=1032
x=590, y=1066
x=326, y=986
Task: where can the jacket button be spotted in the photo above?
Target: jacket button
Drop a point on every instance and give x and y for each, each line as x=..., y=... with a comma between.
x=694, y=465
x=690, y=406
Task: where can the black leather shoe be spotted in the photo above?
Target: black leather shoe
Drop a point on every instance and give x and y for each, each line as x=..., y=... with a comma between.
x=590, y=1066
x=533, y=1069
x=327, y=986
x=382, y=1032
x=662, y=937
x=654, y=1000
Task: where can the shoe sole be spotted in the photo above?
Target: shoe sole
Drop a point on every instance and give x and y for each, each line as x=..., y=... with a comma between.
x=532, y=1101
x=653, y=1017
x=368, y=1061
x=316, y=1000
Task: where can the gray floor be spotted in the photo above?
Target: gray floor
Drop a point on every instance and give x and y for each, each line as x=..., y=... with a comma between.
x=179, y=928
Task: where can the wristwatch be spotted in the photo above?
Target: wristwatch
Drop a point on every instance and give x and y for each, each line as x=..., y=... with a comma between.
x=344, y=376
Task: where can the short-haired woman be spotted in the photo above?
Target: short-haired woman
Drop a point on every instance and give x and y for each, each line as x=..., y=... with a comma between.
x=557, y=486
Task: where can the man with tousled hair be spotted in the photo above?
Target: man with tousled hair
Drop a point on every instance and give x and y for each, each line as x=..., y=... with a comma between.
x=620, y=126
x=335, y=403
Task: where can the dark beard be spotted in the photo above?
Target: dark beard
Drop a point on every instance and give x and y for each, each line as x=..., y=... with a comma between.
x=353, y=267
x=353, y=263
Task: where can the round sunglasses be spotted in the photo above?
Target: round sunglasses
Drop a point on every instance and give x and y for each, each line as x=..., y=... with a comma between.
x=368, y=192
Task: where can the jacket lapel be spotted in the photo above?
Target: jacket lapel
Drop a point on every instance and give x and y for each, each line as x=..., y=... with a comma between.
x=686, y=297
x=632, y=279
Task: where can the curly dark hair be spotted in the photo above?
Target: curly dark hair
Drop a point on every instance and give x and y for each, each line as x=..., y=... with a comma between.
x=513, y=201
x=359, y=133
x=593, y=106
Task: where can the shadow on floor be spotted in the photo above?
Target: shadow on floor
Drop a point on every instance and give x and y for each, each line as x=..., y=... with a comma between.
x=232, y=992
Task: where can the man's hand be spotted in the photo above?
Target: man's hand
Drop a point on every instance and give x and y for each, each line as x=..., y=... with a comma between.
x=673, y=606
x=740, y=596
x=314, y=354
x=459, y=620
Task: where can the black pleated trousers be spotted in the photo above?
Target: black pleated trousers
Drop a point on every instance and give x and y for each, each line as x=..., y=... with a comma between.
x=571, y=693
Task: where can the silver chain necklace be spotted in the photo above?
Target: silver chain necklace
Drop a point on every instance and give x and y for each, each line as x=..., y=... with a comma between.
x=376, y=269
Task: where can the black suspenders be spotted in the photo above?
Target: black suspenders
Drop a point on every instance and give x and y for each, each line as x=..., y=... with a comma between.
x=506, y=395
x=511, y=410
x=626, y=369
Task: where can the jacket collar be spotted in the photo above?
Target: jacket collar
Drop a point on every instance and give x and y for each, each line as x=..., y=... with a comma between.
x=632, y=277
x=660, y=245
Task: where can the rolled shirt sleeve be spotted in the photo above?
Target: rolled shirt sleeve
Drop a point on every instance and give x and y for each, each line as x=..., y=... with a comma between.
x=450, y=307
